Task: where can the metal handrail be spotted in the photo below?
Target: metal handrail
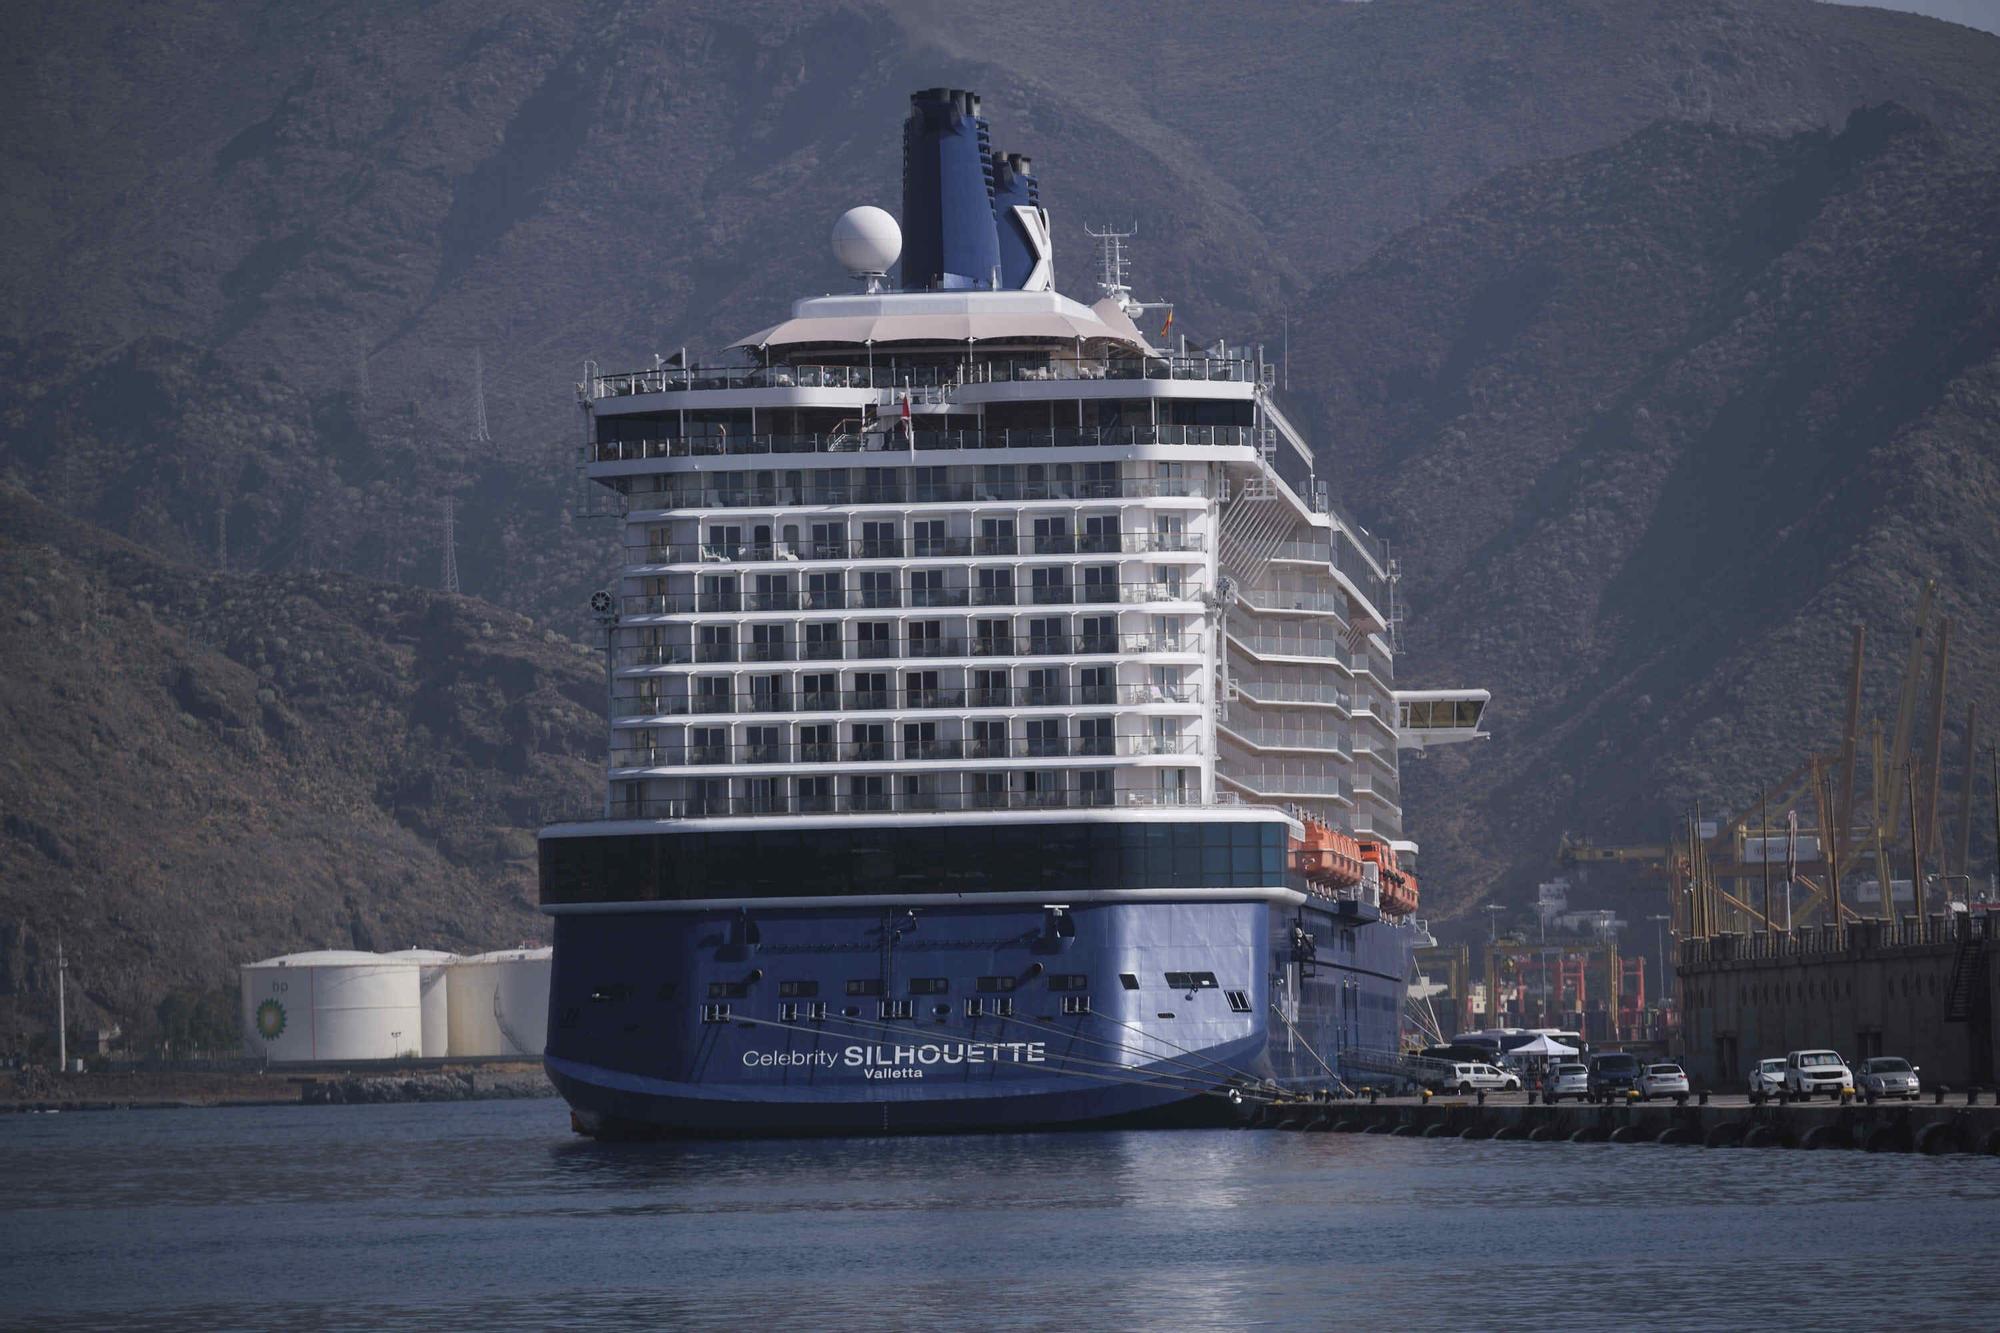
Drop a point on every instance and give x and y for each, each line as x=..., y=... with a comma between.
x=885, y=444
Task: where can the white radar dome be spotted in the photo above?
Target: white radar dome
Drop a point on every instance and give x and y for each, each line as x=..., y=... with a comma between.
x=867, y=240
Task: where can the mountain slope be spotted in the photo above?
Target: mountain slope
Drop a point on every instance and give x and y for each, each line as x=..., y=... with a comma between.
x=1659, y=371
x=1651, y=429
x=203, y=769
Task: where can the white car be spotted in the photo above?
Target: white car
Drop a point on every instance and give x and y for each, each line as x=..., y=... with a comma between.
x=1662, y=1081
x=1808, y=1072
x=1767, y=1077
x=1566, y=1080
x=1480, y=1078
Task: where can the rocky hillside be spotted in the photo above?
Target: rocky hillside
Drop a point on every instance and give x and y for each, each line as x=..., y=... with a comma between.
x=251, y=246
x=1658, y=368
x=1652, y=428
x=201, y=769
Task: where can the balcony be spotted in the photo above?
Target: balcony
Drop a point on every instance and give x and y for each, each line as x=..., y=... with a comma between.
x=877, y=803
x=652, y=552
x=930, y=749
x=692, y=495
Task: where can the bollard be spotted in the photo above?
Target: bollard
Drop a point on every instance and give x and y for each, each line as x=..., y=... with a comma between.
x=1631, y=1096
x=1374, y=1094
x=1972, y=1096
x=1428, y=1094
x=1482, y=1096
x=1531, y=1096
x=1939, y=1096
x=1701, y=1099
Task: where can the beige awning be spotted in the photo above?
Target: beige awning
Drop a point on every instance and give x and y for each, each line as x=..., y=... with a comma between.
x=955, y=327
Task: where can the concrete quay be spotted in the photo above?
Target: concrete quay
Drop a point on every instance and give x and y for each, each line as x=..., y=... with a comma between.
x=1926, y=1126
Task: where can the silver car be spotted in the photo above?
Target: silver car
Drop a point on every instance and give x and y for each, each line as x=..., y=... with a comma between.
x=1887, y=1076
x=1767, y=1077
x=1569, y=1079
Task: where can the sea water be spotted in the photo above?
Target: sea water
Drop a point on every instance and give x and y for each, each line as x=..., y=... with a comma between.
x=475, y=1215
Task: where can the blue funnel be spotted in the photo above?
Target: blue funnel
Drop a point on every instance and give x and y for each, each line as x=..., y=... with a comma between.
x=949, y=241
x=1021, y=249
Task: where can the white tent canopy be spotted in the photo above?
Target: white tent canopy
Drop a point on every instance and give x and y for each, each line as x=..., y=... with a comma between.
x=1543, y=1045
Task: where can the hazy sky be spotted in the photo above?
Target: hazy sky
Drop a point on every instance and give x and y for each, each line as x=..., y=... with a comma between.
x=1972, y=13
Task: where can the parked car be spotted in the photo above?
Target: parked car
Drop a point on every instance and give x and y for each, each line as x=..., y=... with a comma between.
x=1480, y=1078
x=1888, y=1076
x=1767, y=1077
x=1612, y=1074
x=1566, y=1080
x=1662, y=1081
x=1808, y=1072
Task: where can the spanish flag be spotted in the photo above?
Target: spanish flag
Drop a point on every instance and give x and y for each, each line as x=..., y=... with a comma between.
x=1168, y=327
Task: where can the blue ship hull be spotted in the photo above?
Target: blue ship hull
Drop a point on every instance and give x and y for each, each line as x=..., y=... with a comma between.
x=1161, y=1008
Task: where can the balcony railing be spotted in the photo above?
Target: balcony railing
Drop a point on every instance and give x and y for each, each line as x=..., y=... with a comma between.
x=745, y=444
x=870, y=803
x=828, y=492
x=921, y=597
x=902, y=750
x=1288, y=738
x=1293, y=692
x=890, y=379
x=874, y=650
x=864, y=701
x=897, y=548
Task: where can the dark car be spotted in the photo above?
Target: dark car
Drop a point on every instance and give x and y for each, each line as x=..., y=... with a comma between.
x=1612, y=1074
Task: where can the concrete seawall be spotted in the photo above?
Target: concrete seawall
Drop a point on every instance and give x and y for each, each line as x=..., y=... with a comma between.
x=1902, y=1127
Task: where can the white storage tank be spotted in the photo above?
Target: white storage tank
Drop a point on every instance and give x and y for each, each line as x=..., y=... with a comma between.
x=332, y=1005
x=431, y=965
x=500, y=1002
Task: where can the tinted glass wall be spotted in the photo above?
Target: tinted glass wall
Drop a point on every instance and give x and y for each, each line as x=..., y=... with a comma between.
x=1054, y=858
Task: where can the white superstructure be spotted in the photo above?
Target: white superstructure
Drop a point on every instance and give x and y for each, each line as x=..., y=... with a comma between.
x=989, y=550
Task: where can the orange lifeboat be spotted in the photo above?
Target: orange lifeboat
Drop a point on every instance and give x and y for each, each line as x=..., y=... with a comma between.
x=1327, y=857
x=1399, y=886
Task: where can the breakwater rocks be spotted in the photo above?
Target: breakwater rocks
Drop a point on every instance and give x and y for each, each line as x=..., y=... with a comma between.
x=453, y=1086
x=1905, y=1127
x=170, y=1089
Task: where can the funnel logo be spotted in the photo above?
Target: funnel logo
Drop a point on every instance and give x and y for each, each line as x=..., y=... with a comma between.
x=270, y=1020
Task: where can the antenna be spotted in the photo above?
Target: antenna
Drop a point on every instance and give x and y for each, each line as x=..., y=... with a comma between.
x=450, y=545
x=1112, y=264
x=479, y=431
x=1113, y=270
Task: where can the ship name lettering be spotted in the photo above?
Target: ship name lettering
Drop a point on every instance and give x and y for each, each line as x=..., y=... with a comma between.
x=871, y=1058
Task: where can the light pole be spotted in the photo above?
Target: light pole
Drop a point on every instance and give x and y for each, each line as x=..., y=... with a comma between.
x=1493, y=911
x=1660, y=921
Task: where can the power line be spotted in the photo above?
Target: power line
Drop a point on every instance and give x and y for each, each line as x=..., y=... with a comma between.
x=450, y=545
x=480, y=435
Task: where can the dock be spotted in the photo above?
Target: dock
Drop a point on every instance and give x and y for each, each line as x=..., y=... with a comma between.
x=1957, y=1123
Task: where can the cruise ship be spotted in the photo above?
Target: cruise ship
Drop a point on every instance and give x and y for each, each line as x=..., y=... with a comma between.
x=1003, y=721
